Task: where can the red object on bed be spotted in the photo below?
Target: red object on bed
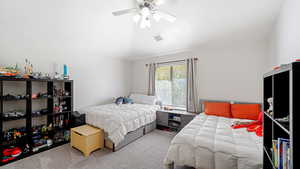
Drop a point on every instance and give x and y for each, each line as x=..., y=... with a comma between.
x=255, y=126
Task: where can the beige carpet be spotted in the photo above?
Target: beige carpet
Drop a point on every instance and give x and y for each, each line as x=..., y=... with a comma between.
x=147, y=152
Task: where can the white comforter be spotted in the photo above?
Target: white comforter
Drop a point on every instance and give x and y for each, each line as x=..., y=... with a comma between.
x=118, y=120
x=208, y=142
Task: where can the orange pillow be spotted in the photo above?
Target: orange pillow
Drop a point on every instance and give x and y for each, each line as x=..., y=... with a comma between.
x=245, y=111
x=217, y=109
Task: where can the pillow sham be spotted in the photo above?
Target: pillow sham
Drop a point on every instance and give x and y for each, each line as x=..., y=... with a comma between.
x=245, y=111
x=143, y=99
x=217, y=109
x=127, y=100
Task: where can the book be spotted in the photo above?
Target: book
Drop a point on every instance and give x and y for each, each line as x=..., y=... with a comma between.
x=282, y=155
x=275, y=152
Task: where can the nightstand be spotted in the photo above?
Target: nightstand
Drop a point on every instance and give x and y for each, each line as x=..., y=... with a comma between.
x=173, y=120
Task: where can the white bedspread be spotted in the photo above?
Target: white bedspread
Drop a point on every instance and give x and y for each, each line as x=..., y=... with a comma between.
x=118, y=120
x=208, y=142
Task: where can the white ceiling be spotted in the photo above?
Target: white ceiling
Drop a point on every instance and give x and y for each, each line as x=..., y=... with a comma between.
x=87, y=26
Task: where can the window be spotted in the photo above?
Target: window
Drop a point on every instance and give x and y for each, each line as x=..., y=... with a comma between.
x=171, y=84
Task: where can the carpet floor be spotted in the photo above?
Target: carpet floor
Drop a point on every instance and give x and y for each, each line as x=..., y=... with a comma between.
x=147, y=152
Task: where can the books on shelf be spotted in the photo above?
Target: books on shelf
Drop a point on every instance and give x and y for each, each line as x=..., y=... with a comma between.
x=281, y=153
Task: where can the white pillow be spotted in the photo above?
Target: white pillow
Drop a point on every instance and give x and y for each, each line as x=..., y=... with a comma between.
x=143, y=99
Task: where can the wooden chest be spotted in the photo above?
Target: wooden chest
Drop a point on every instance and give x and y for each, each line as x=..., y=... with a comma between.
x=87, y=139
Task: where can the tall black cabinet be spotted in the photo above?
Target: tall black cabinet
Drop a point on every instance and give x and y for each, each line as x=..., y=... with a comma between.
x=283, y=85
x=38, y=129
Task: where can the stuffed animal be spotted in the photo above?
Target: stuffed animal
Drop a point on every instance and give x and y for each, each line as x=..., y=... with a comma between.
x=270, y=110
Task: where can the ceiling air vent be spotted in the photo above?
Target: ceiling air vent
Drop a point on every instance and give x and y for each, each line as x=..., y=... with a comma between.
x=158, y=38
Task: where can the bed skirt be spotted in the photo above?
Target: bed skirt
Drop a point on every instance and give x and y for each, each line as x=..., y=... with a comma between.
x=130, y=137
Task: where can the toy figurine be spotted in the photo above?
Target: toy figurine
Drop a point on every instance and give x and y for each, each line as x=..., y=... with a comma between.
x=50, y=127
x=26, y=149
x=57, y=76
x=28, y=69
x=10, y=153
x=284, y=119
x=49, y=142
x=9, y=71
x=66, y=72
x=17, y=134
x=270, y=110
x=44, y=129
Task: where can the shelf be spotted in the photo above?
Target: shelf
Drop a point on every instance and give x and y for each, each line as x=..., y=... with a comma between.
x=32, y=153
x=14, y=118
x=41, y=80
x=50, y=147
x=176, y=121
x=16, y=141
x=64, y=112
x=62, y=96
x=16, y=159
x=46, y=95
x=38, y=115
x=269, y=157
x=278, y=123
x=14, y=99
x=57, y=129
x=282, y=126
x=40, y=98
x=13, y=79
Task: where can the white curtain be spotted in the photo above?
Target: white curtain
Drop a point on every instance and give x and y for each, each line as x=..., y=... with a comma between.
x=151, y=82
x=192, y=86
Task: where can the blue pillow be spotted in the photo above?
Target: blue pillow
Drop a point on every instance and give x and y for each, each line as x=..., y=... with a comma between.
x=119, y=100
x=127, y=100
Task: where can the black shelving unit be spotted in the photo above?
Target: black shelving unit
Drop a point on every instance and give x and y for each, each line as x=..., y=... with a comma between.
x=51, y=114
x=283, y=86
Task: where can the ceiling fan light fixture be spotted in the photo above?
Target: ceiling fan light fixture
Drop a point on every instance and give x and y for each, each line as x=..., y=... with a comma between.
x=156, y=17
x=145, y=23
x=136, y=18
x=145, y=12
x=148, y=23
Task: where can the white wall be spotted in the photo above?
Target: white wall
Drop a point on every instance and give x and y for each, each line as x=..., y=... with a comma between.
x=285, y=37
x=233, y=71
x=96, y=78
x=78, y=33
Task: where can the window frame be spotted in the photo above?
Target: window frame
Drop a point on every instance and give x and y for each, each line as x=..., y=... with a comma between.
x=174, y=107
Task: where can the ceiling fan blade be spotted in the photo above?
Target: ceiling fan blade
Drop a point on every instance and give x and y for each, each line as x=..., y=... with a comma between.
x=167, y=16
x=125, y=11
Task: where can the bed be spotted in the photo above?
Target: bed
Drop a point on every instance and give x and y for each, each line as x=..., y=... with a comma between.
x=123, y=123
x=208, y=142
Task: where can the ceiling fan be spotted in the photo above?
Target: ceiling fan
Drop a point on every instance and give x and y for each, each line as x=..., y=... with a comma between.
x=146, y=10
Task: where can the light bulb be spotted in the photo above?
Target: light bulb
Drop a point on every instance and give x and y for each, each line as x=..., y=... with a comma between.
x=145, y=12
x=143, y=23
x=156, y=17
x=136, y=18
x=148, y=24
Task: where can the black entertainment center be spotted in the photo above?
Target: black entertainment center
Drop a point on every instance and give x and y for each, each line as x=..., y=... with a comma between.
x=20, y=109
